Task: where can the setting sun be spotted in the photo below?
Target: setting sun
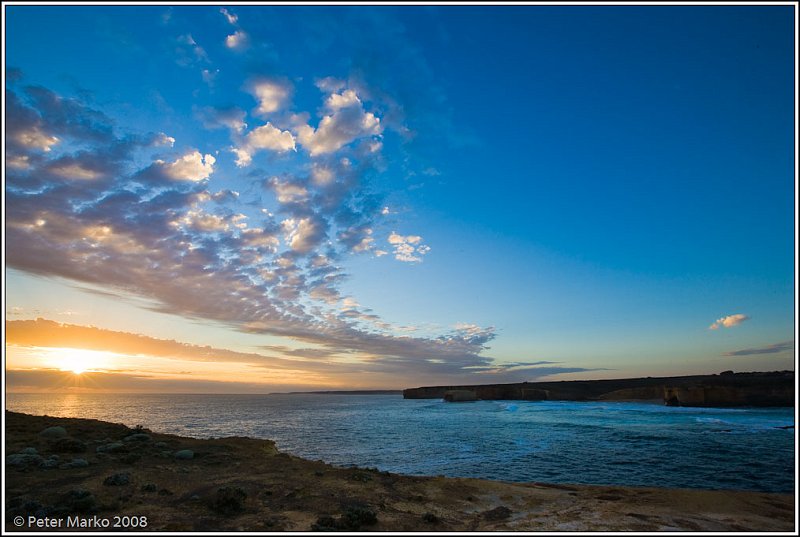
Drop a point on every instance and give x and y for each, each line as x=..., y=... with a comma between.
x=77, y=360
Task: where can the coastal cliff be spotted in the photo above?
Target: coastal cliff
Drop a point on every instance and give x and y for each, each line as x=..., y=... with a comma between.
x=774, y=388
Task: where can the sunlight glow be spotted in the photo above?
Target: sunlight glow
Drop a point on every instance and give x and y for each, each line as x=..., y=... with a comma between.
x=78, y=360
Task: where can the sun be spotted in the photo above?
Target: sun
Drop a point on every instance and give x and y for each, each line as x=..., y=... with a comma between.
x=77, y=361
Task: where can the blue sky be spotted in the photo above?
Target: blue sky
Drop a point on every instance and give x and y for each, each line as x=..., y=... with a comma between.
x=382, y=196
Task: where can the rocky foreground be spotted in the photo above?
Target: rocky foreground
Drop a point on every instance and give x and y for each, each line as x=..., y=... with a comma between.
x=85, y=475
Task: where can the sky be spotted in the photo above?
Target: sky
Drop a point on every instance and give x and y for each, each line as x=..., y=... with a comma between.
x=254, y=199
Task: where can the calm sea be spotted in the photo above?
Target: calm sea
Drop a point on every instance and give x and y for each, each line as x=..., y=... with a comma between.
x=556, y=442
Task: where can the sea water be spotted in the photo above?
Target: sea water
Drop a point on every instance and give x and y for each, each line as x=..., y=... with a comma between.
x=613, y=443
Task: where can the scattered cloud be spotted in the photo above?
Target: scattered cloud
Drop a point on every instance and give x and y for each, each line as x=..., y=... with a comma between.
x=272, y=94
x=263, y=137
x=189, y=52
x=729, y=321
x=193, y=166
x=239, y=40
x=230, y=117
x=148, y=225
x=769, y=349
x=230, y=17
x=408, y=248
x=345, y=121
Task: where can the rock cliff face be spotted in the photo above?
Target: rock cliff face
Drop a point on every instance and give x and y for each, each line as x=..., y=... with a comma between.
x=728, y=389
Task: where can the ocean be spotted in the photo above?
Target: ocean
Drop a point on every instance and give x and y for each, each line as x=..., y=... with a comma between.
x=608, y=443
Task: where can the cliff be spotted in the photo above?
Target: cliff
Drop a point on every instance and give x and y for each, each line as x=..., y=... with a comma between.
x=774, y=388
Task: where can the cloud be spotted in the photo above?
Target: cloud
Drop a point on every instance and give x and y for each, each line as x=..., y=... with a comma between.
x=729, y=321
x=769, y=349
x=50, y=380
x=408, y=248
x=239, y=40
x=272, y=94
x=193, y=166
x=230, y=17
x=46, y=333
x=345, y=122
x=229, y=117
x=156, y=234
x=189, y=52
x=263, y=137
x=304, y=234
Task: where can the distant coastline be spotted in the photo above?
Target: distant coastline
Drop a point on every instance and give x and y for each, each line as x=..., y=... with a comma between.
x=349, y=392
x=727, y=389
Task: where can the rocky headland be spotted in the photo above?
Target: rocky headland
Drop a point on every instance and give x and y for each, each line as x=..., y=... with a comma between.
x=62, y=471
x=728, y=389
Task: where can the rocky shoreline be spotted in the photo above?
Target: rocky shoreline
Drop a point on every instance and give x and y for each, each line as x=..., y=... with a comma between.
x=727, y=389
x=70, y=474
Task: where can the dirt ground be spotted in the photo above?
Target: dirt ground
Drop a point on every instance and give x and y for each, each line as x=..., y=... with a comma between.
x=109, y=473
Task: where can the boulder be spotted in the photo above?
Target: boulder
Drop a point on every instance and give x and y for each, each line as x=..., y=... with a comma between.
x=113, y=447
x=69, y=445
x=137, y=437
x=23, y=460
x=117, y=480
x=54, y=433
x=184, y=455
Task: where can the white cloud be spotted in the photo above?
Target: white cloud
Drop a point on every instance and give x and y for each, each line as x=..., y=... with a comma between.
x=163, y=139
x=322, y=175
x=270, y=94
x=729, y=321
x=330, y=84
x=408, y=248
x=347, y=121
x=263, y=137
x=191, y=167
x=232, y=19
x=288, y=192
x=197, y=50
x=239, y=40
x=303, y=235
x=337, y=101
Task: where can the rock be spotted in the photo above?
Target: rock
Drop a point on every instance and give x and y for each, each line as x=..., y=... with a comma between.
x=137, y=437
x=80, y=501
x=50, y=463
x=160, y=445
x=184, y=454
x=117, y=480
x=498, y=513
x=353, y=518
x=430, y=518
x=53, y=433
x=29, y=451
x=357, y=516
x=113, y=447
x=23, y=460
x=149, y=487
x=229, y=501
x=78, y=463
x=69, y=445
x=130, y=458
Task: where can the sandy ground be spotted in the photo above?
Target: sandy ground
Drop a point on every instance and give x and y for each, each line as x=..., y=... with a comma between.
x=232, y=484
